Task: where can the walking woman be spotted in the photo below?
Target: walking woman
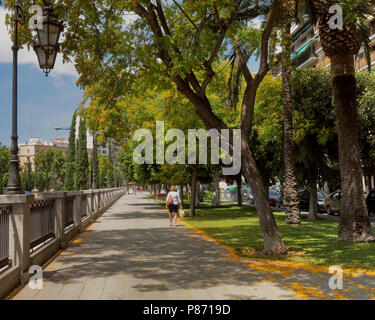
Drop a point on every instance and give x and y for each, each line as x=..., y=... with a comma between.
x=172, y=204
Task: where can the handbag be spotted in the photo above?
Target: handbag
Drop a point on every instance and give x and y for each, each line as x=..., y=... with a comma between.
x=170, y=200
x=181, y=213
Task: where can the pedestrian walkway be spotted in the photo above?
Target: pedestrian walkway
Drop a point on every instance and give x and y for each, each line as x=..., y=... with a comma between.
x=132, y=253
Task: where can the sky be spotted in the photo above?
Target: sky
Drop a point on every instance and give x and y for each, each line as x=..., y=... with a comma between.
x=44, y=103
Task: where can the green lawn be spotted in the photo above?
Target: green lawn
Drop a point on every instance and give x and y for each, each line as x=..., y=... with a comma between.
x=314, y=242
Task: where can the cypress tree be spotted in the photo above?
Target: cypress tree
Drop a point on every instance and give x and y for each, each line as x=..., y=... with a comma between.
x=82, y=161
x=94, y=163
x=70, y=159
x=110, y=174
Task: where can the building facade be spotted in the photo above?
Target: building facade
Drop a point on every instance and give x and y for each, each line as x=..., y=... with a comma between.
x=28, y=151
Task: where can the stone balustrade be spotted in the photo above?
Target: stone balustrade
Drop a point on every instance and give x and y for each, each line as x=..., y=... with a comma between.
x=33, y=228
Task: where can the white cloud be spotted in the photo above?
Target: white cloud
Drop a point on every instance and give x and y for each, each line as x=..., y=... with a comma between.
x=256, y=23
x=129, y=17
x=28, y=57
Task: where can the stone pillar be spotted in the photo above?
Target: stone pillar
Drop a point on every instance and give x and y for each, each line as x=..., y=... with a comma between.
x=19, y=229
x=100, y=200
x=59, y=212
x=77, y=208
x=60, y=215
x=90, y=204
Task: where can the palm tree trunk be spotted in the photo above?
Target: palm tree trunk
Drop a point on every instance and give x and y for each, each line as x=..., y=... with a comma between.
x=291, y=198
x=355, y=223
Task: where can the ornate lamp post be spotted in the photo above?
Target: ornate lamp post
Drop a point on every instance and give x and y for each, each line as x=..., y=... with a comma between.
x=46, y=49
x=48, y=40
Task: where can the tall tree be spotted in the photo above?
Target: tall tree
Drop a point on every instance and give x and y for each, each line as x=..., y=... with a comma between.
x=291, y=197
x=315, y=129
x=94, y=163
x=44, y=164
x=182, y=40
x=59, y=170
x=340, y=45
x=71, y=155
x=110, y=173
x=82, y=163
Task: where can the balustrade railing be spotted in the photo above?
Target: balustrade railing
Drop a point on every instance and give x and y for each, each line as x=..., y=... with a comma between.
x=42, y=225
x=84, y=206
x=33, y=230
x=69, y=212
x=5, y=211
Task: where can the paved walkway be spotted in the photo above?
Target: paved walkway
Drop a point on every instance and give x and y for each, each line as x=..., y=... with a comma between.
x=131, y=253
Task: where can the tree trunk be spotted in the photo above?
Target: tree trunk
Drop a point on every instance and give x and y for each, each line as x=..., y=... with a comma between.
x=291, y=198
x=273, y=244
x=355, y=223
x=194, y=175
x=239, y=190
x=313, y=202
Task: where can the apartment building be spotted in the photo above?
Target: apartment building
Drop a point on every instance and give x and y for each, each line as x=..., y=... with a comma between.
x=308, y=52
x=28, y=151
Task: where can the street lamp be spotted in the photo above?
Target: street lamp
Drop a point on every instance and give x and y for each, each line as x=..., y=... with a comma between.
x=46, y=49
x=47, y=44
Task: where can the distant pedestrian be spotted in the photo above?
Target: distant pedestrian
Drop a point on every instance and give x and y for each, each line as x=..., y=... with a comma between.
x=173, y=202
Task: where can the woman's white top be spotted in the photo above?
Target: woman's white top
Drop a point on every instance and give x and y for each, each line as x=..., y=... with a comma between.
x=175, y=197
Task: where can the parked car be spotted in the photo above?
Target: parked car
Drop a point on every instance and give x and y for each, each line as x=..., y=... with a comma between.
x=272, y=196
x=370, y=202
x=275, y=187
x=333, y=202
x=321, y=202
x=304, y=197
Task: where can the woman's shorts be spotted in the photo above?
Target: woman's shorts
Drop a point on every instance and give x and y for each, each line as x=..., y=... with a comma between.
x=173, y=208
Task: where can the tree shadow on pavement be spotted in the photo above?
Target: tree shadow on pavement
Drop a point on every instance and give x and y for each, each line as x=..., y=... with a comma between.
x=163, y=259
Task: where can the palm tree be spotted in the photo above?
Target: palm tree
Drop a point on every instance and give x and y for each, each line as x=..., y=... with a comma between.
x=283, y=22
x=291, y=197
x=341, y=46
